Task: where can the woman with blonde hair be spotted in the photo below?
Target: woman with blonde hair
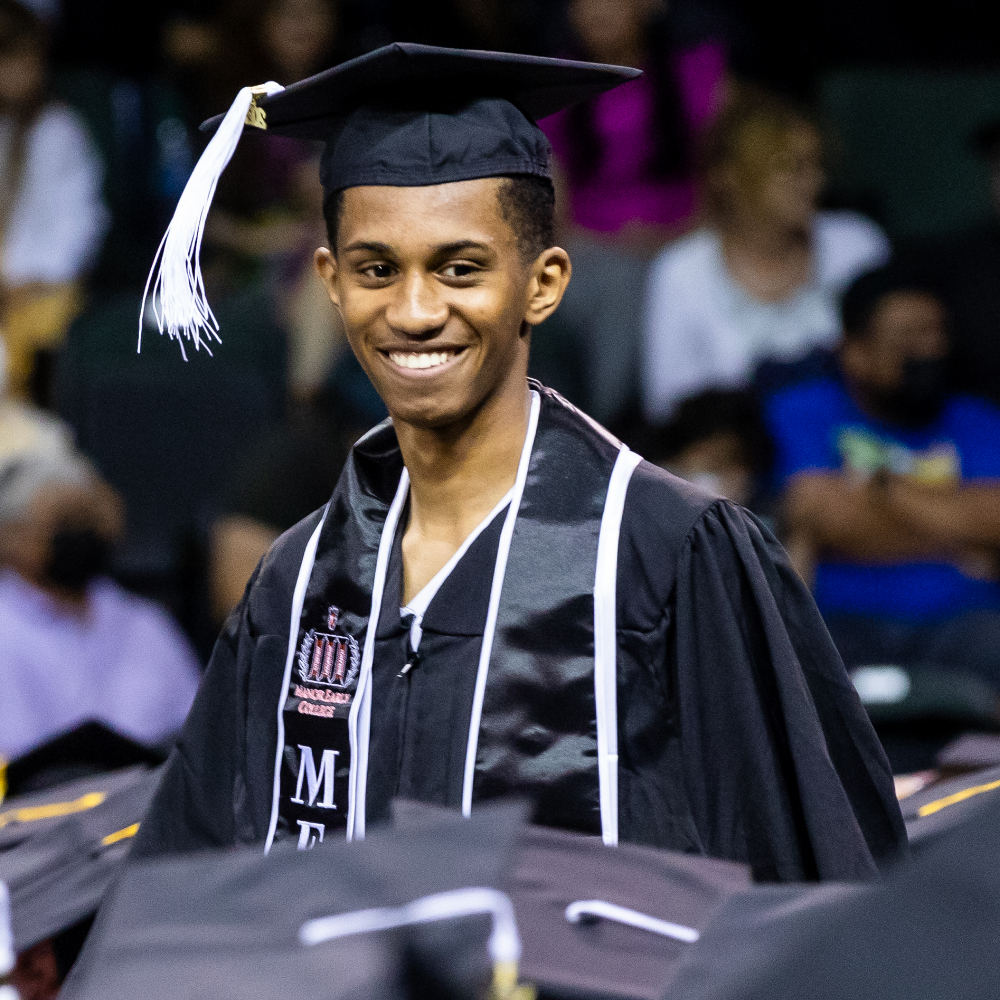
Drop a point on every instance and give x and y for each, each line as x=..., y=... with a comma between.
x=760, y=279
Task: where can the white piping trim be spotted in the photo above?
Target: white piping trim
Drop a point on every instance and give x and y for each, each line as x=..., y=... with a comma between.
x=583, y=908
x=606, y=641
x=298, y=597
x=499, y=569
x=359, y=736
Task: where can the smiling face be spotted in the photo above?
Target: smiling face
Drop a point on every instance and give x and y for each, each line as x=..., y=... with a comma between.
x=436, y=299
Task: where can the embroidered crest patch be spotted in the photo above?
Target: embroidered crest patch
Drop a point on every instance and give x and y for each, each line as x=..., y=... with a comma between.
x=327, y=659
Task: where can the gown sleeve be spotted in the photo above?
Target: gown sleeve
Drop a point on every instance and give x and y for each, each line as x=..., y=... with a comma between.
x=216, y=789
x=193, y=806
x=782, y=767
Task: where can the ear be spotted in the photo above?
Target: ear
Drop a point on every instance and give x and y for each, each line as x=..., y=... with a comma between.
x=326, y=267
x=550, y=274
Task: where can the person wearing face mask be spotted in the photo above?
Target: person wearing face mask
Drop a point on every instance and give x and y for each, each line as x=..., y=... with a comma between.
x=759, y=280
x=892, y=487
x=74, y=645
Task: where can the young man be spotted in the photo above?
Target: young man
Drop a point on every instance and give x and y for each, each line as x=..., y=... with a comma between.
x=499, y=599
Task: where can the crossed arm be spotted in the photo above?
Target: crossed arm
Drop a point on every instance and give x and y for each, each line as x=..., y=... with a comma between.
x=892, y=518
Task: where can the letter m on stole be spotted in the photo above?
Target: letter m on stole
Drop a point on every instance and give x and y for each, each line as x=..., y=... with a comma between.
x=313, y=779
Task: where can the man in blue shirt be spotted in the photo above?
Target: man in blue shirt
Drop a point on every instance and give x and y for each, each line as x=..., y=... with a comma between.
x=892, y=487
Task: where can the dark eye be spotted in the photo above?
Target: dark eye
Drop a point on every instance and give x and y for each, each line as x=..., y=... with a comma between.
x=459, y=270
x=378, y=271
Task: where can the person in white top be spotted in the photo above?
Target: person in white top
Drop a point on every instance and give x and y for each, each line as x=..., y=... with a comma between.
x=74, y=645
x=52, y=216
x=761, y=279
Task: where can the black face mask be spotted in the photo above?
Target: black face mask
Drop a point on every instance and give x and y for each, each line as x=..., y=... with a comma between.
x=76, y=556
x=918, y=398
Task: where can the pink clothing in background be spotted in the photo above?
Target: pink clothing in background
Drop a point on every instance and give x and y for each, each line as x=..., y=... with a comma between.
x=620, y=190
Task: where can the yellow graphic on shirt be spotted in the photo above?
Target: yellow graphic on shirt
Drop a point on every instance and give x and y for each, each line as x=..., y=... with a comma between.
x=866, y=453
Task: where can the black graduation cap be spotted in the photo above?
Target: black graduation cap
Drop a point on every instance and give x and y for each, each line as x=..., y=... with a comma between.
x=945, y=805
x=602, y=922
x=91, y=748
x=969, y=752
x=60, y=849
x=593, y=921
x=318, y=923
x=598, y=921
x=404, y=115
x=928, y=931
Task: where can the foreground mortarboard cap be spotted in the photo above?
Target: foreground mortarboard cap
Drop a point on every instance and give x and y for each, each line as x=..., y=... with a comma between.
x=340, y=920
x=593, y=921
x=936, y=811
x=404, y=115
x=91, y=748
x=60, y=849
x=929, y=930
x=969, y=752
x=602, y=922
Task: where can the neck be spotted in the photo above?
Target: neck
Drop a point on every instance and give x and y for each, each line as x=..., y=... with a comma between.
x=459, y=473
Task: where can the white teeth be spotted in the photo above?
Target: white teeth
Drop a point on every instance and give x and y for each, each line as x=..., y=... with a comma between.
x=422, y=359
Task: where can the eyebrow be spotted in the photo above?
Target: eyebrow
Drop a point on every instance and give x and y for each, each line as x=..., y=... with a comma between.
x=382, y=249
x=447, y=249
x=441, y=250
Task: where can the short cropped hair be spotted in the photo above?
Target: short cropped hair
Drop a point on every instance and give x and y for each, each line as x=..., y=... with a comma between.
x=527, y=204
x=866, y=293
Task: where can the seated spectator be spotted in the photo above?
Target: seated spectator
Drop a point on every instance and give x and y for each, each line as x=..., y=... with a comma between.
x=761, y=279
x=892, y=487
x=627, y=156
x=52, y=217
x=716, y=440
x=74, y=645
x=24, y=428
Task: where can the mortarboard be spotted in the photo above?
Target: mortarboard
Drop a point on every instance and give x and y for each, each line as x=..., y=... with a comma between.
x=593, y=921
x=91, y=748
x=928, y=930
x=60, y=849
x=404, y=115
x=340, y=920
x=945, y=805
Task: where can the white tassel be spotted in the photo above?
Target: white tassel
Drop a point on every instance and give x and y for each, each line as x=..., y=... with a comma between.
x=178, y=291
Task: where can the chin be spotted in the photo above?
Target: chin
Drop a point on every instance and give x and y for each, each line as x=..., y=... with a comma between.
x=428, y=414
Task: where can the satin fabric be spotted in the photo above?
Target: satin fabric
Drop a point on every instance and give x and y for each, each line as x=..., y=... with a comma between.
x=538, y=732
x=740, y=734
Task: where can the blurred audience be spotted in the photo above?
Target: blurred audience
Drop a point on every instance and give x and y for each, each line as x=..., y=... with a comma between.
x=971, y=264
x=892, y=487
x=760, y=279
x=717, y=440
x=267, y=215
x=286, y=474
x=52, y=217
x=24, y=428
x=627, y=156
x=74, y=645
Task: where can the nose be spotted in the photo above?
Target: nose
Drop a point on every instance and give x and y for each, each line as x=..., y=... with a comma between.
x=417, y=309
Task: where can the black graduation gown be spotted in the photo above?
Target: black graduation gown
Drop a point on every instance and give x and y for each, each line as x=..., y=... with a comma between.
x=740, y=734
